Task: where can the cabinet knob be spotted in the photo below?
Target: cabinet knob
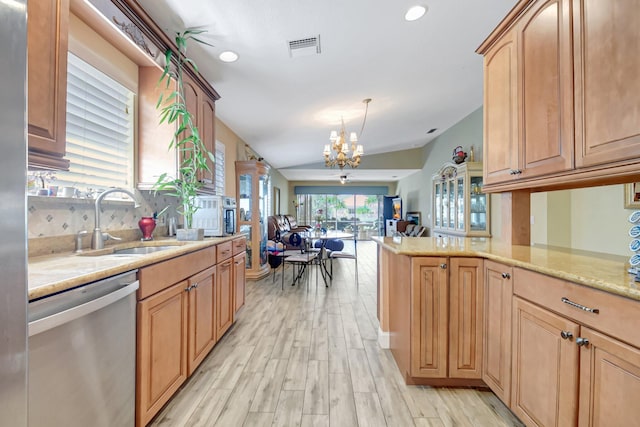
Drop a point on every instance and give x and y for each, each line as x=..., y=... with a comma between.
x=566, y=335
x=443, y=265
x=188, y=288
x=582, y=342
x=506, y=276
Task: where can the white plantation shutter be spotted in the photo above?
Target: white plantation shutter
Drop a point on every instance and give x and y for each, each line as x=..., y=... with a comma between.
x=219, y=169
x=100, y=114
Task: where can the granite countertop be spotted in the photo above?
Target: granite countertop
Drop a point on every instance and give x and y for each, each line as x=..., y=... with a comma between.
x=596, y=270
x=54, y=273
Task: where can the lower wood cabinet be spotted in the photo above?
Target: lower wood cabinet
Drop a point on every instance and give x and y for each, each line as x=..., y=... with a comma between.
x=545, y=367
x=161, y=356
x=565, y=372
x=225, y=308
x=496, y=354
x=446, y=318
x=239, y=266
x=185, y=305
x=202, y=326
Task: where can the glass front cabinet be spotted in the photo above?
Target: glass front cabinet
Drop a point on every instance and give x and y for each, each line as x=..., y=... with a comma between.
x=252, y=184
x=459, y=206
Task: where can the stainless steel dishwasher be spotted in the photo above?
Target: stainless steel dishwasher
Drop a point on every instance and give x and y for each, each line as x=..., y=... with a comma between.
x=82, y=355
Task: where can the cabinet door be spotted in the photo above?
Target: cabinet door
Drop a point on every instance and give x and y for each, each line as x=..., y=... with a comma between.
x=496, y=359
x=545, y=367
x=161, y=356
x=224, y=298
x=47, y=41
x=609, y=382
x=429, y=309
x=465, y=317
x=206, y=126
x=202, y=333
x=607, y=81
x=500, y=148
x=239, y=281
x=546, y=102
x=154, y=156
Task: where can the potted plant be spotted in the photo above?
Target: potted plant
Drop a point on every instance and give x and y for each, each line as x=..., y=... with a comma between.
x=186, y=138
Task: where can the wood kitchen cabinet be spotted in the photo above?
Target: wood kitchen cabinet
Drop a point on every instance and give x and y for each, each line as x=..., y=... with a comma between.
x=446, y=318
x=47, y=42
x=202, y=109
x=576, y=359
x=550, y=119
x=607, y=81
x=225, y=288
x=161, y=355
x=202, y=328
x=239, y=266
x=176, y=329
x=496, y=356
x=545, y=367
x=528, y=120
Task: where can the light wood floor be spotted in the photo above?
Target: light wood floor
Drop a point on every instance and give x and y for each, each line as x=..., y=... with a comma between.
x=309, y=357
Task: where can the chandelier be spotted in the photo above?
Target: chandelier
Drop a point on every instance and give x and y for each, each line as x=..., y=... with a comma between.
x=340, y=154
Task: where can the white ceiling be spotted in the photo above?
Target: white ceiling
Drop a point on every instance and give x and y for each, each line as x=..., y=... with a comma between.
x=421, y=75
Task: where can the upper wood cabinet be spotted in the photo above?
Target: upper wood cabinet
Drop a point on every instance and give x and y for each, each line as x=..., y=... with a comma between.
x=559, y=98
x=202, y=109
x=528, y=96
x=47, y=42
x=607, y=81
x=154, y=155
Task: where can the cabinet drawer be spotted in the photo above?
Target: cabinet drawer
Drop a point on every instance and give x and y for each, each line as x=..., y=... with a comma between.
x=239, y=245
x=616, y=316
x=224, y=251
x=159, y=276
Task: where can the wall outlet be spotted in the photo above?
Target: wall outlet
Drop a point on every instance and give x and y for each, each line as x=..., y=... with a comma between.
x=532, y=220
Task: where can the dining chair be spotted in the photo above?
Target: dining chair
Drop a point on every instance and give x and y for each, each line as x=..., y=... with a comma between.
x=346, y=255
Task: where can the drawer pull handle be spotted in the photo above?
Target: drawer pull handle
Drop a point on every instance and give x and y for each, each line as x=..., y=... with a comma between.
x=566, y=335
x=580, y=306
x=582, y=342
x=506, y=276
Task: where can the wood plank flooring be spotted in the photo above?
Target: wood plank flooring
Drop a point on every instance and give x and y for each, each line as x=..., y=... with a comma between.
x=309, y=357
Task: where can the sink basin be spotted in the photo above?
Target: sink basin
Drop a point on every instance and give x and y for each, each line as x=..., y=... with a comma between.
x=142, y=250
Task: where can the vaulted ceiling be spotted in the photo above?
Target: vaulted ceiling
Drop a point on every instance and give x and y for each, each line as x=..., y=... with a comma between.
x=421, y=75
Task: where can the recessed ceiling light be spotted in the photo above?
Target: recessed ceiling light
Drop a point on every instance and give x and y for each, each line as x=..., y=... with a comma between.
x=415, y=12
x=228, y=56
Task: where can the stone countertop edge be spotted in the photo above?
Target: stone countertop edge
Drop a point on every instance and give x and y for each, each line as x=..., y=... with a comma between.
x=595, y=270
x=51, y=274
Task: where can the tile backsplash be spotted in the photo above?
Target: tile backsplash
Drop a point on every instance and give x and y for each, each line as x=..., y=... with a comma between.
x=56, y=216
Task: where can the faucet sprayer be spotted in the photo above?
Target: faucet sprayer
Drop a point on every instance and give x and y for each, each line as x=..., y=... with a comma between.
x=98, y=238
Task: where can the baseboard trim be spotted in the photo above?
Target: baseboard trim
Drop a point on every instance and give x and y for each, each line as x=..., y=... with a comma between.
x=384, y=339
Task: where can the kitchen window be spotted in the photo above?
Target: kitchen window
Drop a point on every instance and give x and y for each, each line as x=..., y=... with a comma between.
x=100, y=129
x=219, y=169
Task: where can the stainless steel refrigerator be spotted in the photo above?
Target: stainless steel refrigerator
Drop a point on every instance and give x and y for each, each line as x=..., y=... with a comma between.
x=13, y=229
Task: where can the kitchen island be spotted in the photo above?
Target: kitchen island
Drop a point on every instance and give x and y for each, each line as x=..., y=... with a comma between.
x=551, y=331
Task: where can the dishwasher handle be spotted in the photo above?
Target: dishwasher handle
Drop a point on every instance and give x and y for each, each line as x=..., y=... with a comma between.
x=42, y=325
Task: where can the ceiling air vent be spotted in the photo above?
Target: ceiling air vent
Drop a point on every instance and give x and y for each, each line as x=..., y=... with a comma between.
x=304, y=47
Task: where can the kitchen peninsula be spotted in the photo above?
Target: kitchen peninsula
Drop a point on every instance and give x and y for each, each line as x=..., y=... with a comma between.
x=474, y=311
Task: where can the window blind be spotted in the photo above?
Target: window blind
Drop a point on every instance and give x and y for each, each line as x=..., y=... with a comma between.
x=219, y=169
x=99, y=129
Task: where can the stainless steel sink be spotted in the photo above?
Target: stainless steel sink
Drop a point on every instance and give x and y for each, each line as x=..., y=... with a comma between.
x=142, y=250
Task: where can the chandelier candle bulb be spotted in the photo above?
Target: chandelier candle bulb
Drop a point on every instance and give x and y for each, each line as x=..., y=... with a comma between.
x=340, y=146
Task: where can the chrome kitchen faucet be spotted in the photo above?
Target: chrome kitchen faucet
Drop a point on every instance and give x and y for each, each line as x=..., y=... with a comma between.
x=98, y=238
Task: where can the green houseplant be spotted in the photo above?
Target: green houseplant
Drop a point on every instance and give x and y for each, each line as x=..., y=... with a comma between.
x=186, y=139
